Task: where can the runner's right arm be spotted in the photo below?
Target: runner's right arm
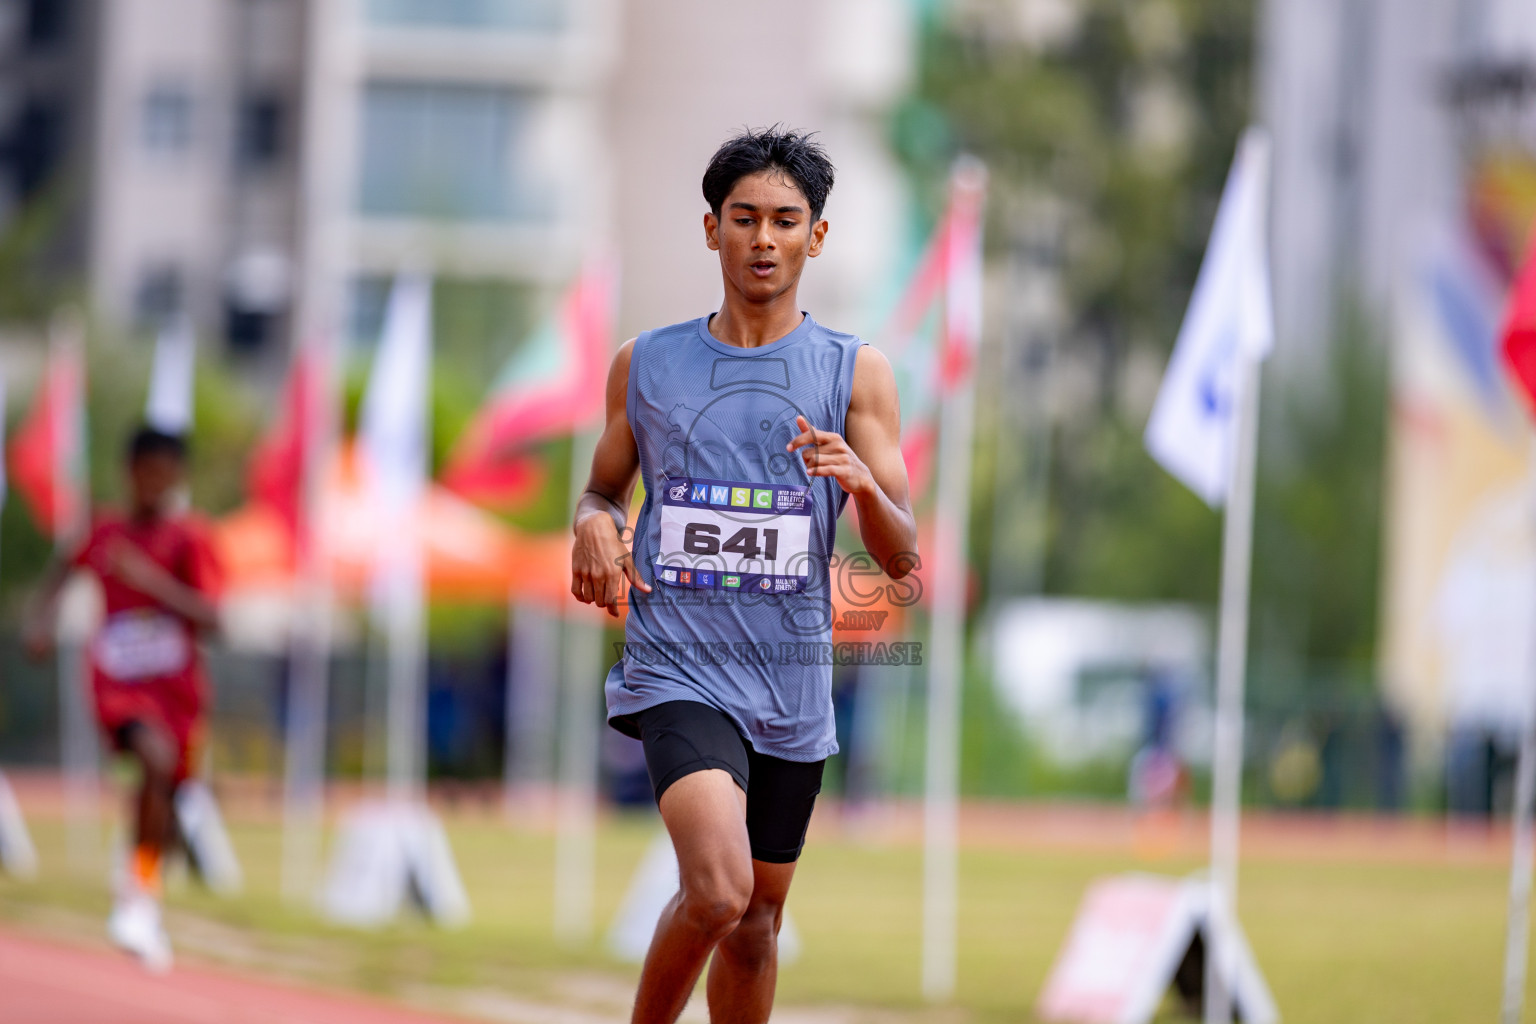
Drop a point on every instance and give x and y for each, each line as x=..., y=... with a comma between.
x=192, y=599
x=600, y=558
x=116, y=557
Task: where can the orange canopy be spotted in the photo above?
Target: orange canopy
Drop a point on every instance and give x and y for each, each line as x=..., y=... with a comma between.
x=468, y=554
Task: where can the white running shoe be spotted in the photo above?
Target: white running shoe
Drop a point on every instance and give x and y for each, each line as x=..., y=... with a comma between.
x=135, y=927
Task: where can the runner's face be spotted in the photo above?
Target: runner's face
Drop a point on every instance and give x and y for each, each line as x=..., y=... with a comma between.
x=152, y=478
x=764, y=235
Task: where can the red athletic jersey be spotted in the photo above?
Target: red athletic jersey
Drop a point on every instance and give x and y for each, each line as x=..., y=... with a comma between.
x=144, y=659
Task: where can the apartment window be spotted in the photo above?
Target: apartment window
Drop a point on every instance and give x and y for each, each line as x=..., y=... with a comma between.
x=443, y=152
x=258, y=284
x=37, y=143
x=167, y=119
x=47, y=22
x=259, y=132
x=158, y=296
x=249, y=330
x=497, y=14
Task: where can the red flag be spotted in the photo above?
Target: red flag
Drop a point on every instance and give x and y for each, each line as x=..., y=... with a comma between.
x=275, y=475
x=962, y=277
x=553, y=386
x=47, y=451
x=1520, y=327
x=948, y=279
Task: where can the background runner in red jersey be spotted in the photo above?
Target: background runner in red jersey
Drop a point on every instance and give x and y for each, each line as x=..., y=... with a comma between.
x=159, y=585
x=145, y=664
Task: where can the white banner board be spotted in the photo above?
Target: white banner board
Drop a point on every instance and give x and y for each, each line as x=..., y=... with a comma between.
x=209, y=850
x=1130, y=937
x=389, y=855
x=18, y=856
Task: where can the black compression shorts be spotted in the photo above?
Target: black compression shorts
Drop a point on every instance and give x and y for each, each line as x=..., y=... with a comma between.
x=684, y=736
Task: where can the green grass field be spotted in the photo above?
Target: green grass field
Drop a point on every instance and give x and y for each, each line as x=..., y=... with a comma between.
x=1340, y=940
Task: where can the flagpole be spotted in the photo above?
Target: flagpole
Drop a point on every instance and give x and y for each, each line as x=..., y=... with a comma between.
x=946, y=655
x=79, y=752
x=1518, y=927
x=1518, y=921
x=330, y=61
x=1231, y=667
x=17, y=853
x=941, y=819
x=310, y=648
x=582, y=664
x=531, y=690
x=406, y=673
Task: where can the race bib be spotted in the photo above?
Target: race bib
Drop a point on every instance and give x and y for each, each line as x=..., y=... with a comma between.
x=729, y=535
x=142, y=644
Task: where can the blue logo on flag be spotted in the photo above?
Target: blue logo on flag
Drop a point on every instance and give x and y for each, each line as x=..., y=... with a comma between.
x=719, y=495
x=700, y=493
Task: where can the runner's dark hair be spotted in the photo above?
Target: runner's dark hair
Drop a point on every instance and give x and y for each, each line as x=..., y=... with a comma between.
x=796, y=154
x=146, y=441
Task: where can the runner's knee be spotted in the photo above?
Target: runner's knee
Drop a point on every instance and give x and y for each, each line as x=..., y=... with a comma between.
x=714, y=900
x=156, y=751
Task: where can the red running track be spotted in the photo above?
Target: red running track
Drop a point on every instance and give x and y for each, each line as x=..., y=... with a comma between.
x=43, y=982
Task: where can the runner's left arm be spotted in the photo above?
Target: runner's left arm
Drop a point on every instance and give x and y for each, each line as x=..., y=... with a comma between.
x=867, y=463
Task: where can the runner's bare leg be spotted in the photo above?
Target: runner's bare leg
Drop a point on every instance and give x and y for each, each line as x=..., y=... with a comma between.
x=156, y=753
x=745, y=970
x=706, y=816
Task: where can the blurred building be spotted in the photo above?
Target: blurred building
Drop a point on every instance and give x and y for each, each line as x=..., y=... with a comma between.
x=692, y=72
x=265, y=165
x=47, y=85
x=1405, y=186
x=218, y=157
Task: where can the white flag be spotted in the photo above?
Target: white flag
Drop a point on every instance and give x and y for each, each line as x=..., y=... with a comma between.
x=1194, y=422
x=393, y=432
x=393, y=451
x=169, y=407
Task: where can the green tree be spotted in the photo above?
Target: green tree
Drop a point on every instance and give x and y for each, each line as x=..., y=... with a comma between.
x=1072, y=121
x=1112, y=139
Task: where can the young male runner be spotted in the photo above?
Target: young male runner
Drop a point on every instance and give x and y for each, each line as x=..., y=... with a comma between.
x=157, y=578
x=751, y=428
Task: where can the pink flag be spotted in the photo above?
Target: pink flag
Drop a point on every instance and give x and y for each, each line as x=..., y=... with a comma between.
x=947, y=278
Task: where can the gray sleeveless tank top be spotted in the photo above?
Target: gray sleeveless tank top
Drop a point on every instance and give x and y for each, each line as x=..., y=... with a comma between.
x=735, y=537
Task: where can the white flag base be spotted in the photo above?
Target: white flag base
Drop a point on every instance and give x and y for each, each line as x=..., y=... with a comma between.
x=654, y=885
x=387, y=856
x=210, y=853
x=18, y=856
x=1134, y=937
